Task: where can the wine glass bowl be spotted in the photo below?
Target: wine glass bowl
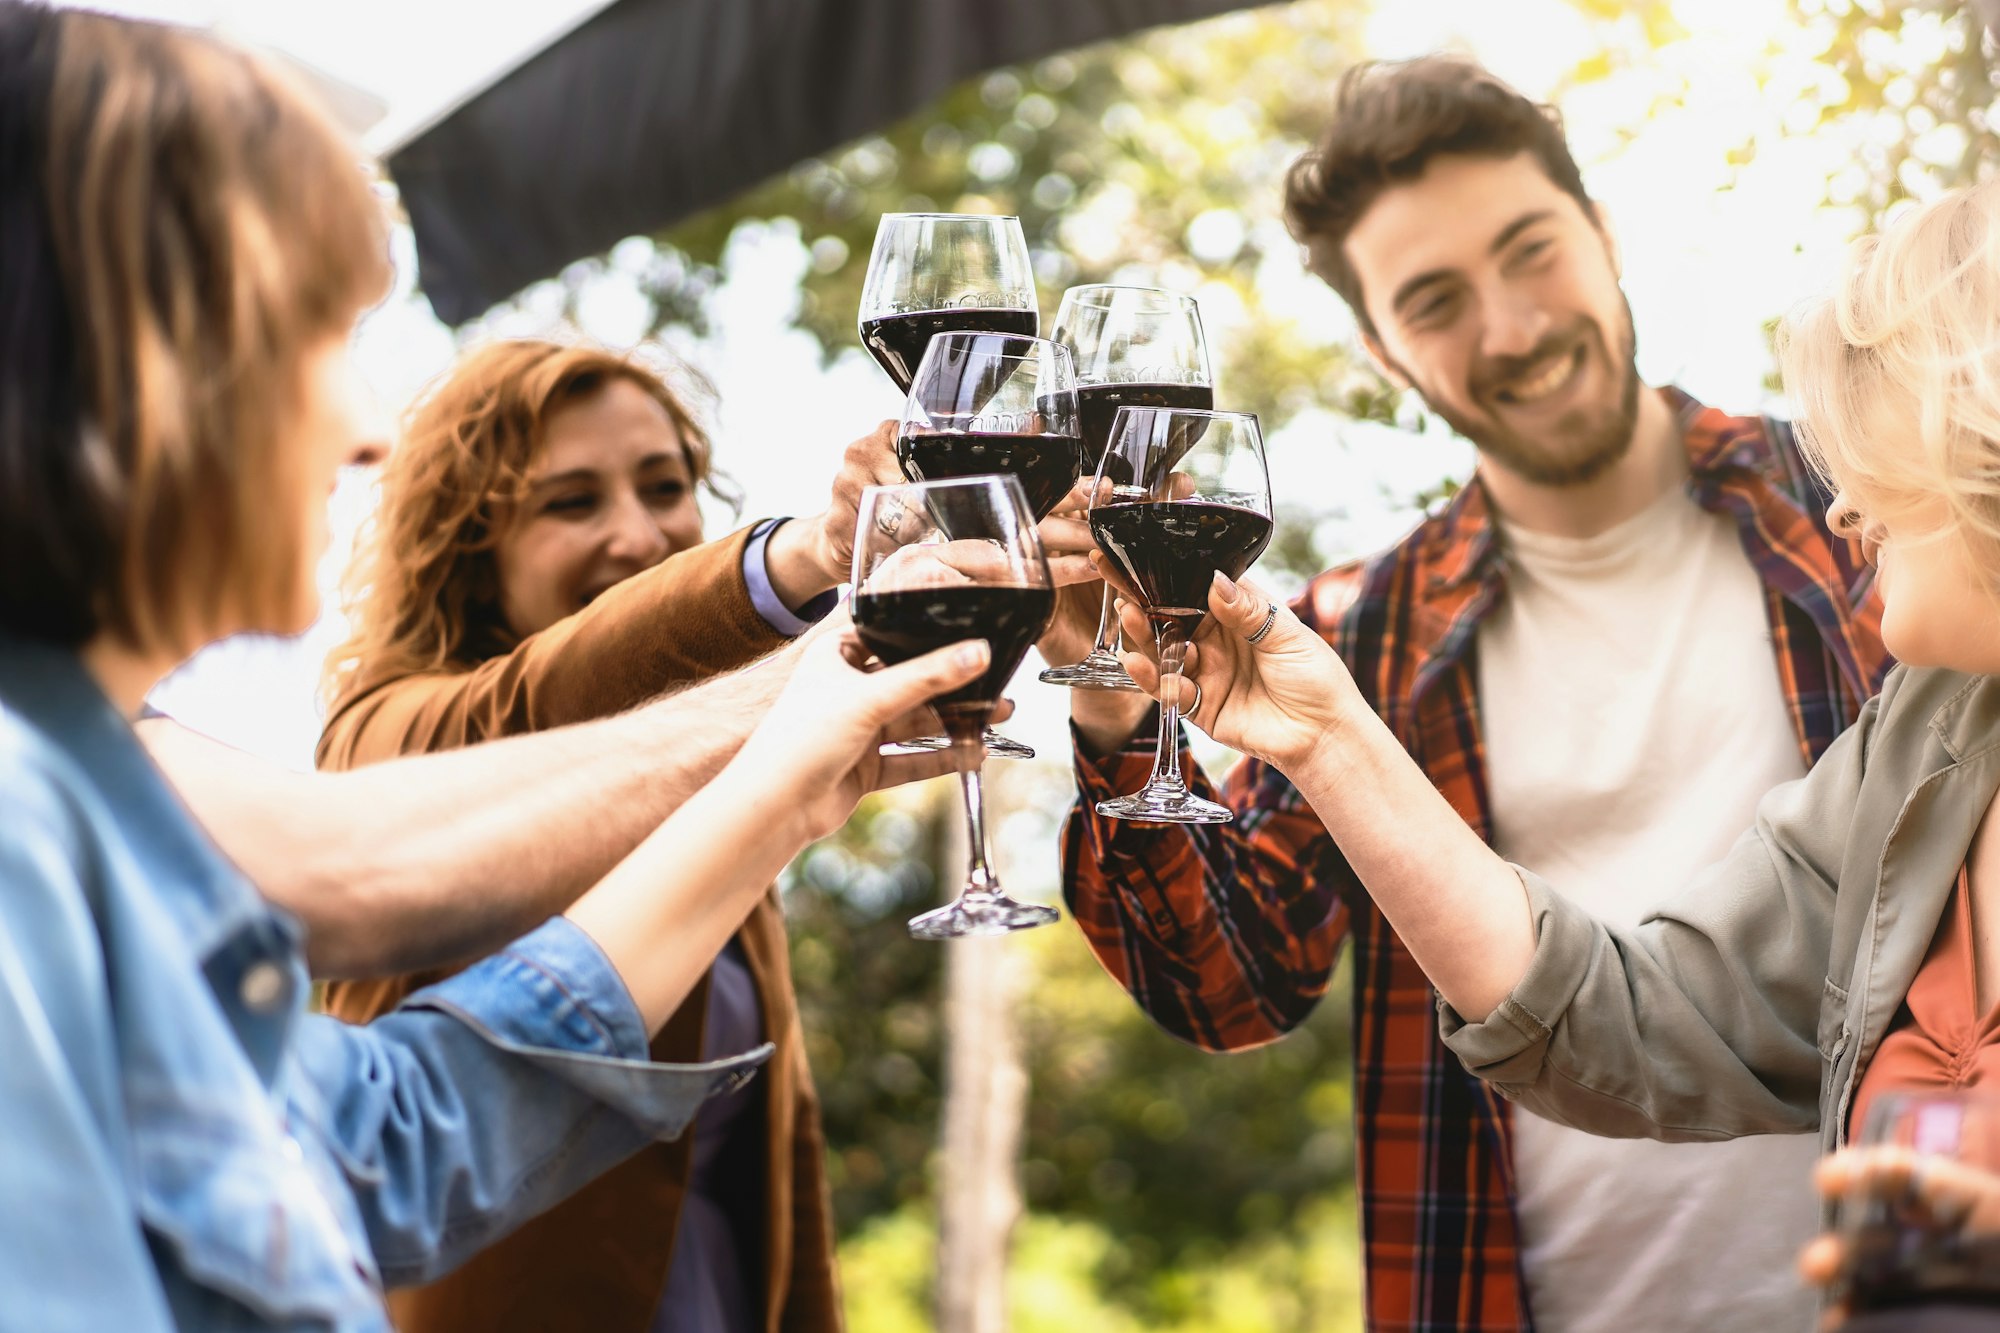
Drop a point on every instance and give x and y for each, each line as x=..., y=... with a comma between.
x=931, y=273
x=936, y=563
x=1133, y=347
x=1919, y=1245
x=1179, y=495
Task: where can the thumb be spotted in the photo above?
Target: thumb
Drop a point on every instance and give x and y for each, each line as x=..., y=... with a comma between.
x=899, y=688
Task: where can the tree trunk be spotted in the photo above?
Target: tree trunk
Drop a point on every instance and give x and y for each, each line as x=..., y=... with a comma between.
x=985, y=1100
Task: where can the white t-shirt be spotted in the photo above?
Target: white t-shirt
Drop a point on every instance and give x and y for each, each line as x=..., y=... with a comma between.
x=1633, y=718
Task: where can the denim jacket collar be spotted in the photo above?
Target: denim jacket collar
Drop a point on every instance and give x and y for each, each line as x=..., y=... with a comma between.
x=208, y=897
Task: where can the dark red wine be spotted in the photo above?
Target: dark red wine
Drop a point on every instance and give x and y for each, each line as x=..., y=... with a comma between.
x=1046, y=464
x=1170, y=550
x=1098, y=404
x=897, y=342
x=1897, y=1263
x=908, y=622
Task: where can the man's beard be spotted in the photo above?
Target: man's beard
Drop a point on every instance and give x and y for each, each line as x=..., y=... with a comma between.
x=1600, y=437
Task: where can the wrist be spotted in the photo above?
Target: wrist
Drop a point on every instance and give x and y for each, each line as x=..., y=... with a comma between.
x=1330, y=751
x=798, y=563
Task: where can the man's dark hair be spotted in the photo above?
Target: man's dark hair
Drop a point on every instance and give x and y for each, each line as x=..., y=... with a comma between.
x=1390, y=118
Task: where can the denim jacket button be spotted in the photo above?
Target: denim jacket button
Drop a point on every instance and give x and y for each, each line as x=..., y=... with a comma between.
x=263, y=987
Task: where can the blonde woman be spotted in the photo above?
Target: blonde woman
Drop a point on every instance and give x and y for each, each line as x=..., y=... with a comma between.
x=1848, y=944
x=185, y=245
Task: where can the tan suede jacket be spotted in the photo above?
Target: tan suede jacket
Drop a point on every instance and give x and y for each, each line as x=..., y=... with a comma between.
x=1752, y=1003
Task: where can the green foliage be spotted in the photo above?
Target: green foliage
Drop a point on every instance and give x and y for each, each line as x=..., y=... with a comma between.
x=1180, y=1162
x=1911, y=84
x=1305, y=1277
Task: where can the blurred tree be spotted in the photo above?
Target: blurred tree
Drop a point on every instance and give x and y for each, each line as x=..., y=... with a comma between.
x=1909, y=85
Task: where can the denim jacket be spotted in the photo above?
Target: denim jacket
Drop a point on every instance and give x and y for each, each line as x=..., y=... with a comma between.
x=182, y=1146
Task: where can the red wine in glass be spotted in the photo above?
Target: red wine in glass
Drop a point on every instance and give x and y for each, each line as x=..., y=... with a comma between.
x=1098, y=404
x=897, y=342
x=1045, y=464
x=905, y=623
x=1172, y=549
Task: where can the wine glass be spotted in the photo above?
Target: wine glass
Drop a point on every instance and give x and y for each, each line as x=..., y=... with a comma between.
x=983, y=404
x=1914, y=1246
x=931, y=272
x=1179, y=494
x=1134, y=347
x=936, y=562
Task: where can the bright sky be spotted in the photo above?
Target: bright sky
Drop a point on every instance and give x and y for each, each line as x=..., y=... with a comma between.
x=1707, y=261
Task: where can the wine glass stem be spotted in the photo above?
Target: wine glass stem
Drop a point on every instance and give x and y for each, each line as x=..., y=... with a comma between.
x=1172, y=644
x=1106, y=645
x=979, y=880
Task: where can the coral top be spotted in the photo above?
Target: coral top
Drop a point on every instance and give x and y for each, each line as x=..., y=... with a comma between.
x=1939, y=1041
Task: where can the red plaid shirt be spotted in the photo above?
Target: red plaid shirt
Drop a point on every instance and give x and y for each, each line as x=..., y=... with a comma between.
x=1226, y=934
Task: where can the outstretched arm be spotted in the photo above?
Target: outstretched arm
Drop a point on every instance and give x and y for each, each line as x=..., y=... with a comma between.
x=435, y=859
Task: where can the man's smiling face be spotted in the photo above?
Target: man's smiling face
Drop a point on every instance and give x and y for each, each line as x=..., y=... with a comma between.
x=1495, y=295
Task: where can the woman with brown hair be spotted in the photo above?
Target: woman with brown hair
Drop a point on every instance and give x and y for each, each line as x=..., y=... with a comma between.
x=185, y=245
x=536, y=560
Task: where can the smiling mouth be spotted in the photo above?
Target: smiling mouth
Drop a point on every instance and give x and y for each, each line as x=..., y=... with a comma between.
x=1552, y=374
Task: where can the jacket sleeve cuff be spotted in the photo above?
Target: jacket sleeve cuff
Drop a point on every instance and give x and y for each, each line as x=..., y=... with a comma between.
x=764, y=597
x=1511, y=1045
x=552, y=998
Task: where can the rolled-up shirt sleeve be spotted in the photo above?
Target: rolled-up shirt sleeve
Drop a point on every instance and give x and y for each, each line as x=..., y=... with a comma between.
x=493, y=1095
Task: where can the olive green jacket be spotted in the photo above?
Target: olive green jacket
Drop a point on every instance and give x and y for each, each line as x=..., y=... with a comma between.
x=1752, y=1002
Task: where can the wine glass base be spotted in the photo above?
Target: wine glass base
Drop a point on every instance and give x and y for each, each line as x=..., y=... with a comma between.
x=1166, y=805
x=994, y=914
x=997, y=746
x=1096, y=672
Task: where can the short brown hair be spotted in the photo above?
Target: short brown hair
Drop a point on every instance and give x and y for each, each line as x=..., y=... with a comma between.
x=424, y=593
x=179, y=227
x=1390, y=118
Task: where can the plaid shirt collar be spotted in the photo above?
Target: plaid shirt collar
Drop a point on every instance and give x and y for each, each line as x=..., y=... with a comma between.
x=1461, y=566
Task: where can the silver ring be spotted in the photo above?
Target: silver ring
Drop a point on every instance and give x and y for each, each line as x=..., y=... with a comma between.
x=1188, y=712
x=1270, y=619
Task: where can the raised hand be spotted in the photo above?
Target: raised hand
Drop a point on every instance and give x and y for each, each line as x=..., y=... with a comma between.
x=822, y=736
x=809, y=555
x=1277, y=698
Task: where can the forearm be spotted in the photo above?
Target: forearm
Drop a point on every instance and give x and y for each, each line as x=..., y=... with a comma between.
x=664, y=912
x=434, y=859
x=1460, y=910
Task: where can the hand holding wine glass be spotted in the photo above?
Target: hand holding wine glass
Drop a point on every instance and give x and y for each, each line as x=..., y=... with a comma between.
x=937, y=562
x=1179, y=495
x=1282, y=699
x=1919, y=1205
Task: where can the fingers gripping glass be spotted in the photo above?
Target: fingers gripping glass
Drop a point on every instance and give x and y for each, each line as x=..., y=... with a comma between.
x=1179, y=495
x=936, y=563
x=932, y=272
x=985, y=404
x=1133, y=347
x=1921, y=1224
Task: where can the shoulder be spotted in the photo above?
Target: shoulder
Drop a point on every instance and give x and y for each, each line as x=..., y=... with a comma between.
x=387, y=717
x=1336, y=600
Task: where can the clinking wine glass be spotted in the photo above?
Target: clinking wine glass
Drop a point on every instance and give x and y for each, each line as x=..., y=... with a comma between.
x=935, y=563
x=1133, y=347
x=985, y=404
x=934, y=272
x=1178, y=495
x=1930, y=1245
